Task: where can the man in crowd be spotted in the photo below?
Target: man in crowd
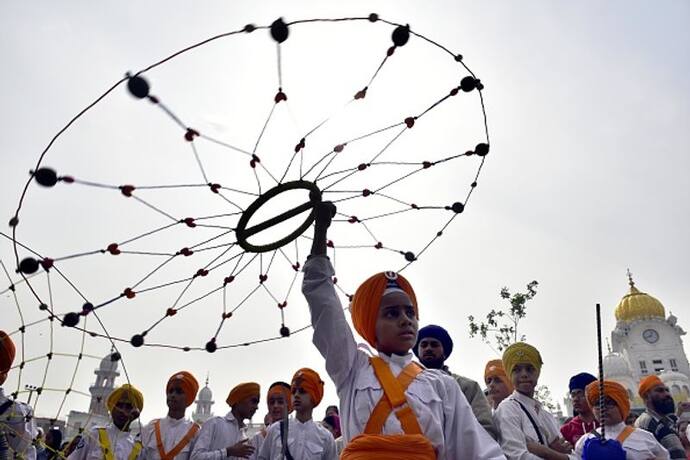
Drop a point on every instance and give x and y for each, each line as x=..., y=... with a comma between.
x=433, y=348
x=584, y=421
x=659, y=416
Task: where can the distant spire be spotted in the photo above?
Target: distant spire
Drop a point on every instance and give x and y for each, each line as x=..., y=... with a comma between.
x=608, y=345
x=207, y=375
x=630, y=279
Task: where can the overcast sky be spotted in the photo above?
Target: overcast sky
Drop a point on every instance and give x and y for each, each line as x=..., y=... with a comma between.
x=588, y=108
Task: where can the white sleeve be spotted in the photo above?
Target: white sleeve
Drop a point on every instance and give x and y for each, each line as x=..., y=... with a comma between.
x=513, y=441
x=84, y=446
x=203, y=443
x=464, y=437
x=329, y=452
x=267, y=444
x=332, y=335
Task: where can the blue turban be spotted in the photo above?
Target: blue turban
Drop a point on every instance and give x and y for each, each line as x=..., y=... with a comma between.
x=438, y=333
x=580, y=381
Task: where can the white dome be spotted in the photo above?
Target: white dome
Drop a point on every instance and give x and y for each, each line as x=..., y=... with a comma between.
x=205, y=394
x=615, y=365
x=669, y=377
x=108, y=364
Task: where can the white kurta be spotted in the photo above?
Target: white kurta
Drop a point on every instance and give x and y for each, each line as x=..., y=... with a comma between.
x=640, y=445
x=306, y=441
x=89, y=447
x=172, y=432
x=215, y=436
x=515, y=428
x=18, y=423
x=443, y=412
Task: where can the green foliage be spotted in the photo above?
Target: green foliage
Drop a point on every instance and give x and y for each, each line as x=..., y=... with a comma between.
x=543, y=395
x=501, y=325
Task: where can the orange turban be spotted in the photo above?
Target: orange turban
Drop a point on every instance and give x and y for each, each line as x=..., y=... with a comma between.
x=494, y=368
x=279, y=388
x=647, y=383
x=133, y=395
x=7, y=352
x=188, y=383
x=243, y=391
x=311, y=382
x=613, y=390
x=367, y=299
x=387, y=446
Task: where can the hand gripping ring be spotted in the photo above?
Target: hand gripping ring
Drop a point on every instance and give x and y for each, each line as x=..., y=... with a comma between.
x=243, y=233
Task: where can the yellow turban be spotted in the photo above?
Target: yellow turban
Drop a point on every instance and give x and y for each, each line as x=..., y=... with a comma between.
x=367, y=299
x=127, y=391
x=520, y=353
x=647, y=384
x=494, y=368
x=243, y=391
x=311, y=382
x=188, y=383
x=7, y=352
x=613, y=390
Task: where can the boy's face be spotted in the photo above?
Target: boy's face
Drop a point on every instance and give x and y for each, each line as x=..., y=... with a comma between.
x=525, y=377
x=431, y=352
x=175, y=397
x=301, y=400
x=247, y=407
x=277, y=406
x=580, y=403
x=498, y=390
x=396, y=325
x=611, y=414
x=124, y=413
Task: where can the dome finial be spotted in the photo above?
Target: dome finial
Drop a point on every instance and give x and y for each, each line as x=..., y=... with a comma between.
x=630, y=279
x=207, y=375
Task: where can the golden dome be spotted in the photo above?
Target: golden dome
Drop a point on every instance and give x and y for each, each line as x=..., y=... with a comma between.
x=635, y=305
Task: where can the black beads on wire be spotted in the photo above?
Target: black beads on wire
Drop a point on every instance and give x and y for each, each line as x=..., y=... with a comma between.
x=70, y=319
x=46, y=177
x=401, y=35
x=279, y=30
x=28, y=266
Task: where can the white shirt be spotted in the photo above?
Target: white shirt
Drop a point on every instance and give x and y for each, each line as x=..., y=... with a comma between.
x=515, y=428
x=89, y=447
x=215, y=436
x=306, y=441
x=172, y=432
x=443, y=412
x=19, y=426
x=640, y=445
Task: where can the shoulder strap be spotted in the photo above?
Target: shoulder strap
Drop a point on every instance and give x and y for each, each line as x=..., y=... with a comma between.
x=283, y=439
x=394, y=398
x=179, y=446
x=4, y=406
x=136, y=448
x=627, y=431
x=534, y=424
x=104, y=441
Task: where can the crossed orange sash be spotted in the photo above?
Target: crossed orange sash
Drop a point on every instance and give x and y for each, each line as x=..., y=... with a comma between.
x=180, y=445
x=372, y=445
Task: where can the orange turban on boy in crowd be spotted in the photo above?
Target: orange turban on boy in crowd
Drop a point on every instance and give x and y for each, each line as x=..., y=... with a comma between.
x=613, y=390
x=133, y=395
x=188, y=383
x=494, y=368
x=310, y=381
x=647, y=384
x=243, y=391
x=7, y=352
x=364, y=307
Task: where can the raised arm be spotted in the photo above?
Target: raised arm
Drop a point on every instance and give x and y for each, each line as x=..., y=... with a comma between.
x=332, y=334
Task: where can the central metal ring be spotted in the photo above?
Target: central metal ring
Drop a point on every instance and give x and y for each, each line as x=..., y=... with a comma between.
x=242, y=232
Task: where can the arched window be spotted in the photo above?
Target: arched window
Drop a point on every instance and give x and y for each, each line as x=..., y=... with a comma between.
x=675, y=391
x=686, y=390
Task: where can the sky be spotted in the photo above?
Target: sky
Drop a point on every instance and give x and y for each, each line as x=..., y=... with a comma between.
x=588, y=106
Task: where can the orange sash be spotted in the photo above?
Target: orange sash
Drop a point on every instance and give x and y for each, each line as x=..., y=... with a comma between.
x=180, y=445
x=627, y=431
x=372, y=445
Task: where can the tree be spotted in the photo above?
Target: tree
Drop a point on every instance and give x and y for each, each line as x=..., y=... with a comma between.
x=503, y=322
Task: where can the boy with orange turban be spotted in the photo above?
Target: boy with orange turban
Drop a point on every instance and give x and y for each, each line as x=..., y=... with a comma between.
x=279, y=406
x=17, y=427
x=497, y=382
x=173, y=437
x=527, y=430
x=659, y=417
x=390, y=406
x=226, y=437
x=114, y=441
x=638, y=444
x=305, y=439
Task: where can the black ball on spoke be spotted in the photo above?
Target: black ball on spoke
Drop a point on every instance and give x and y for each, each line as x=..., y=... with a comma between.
x=401, y=35
x=410, y=257
x=284, y=331
x=138, y=87
x=211, y=346
x=279, y=30
x=28, y=266
x=458, y=207
x=137, y=340
x=70, y=319
x=482, y=149
x=46, y=177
